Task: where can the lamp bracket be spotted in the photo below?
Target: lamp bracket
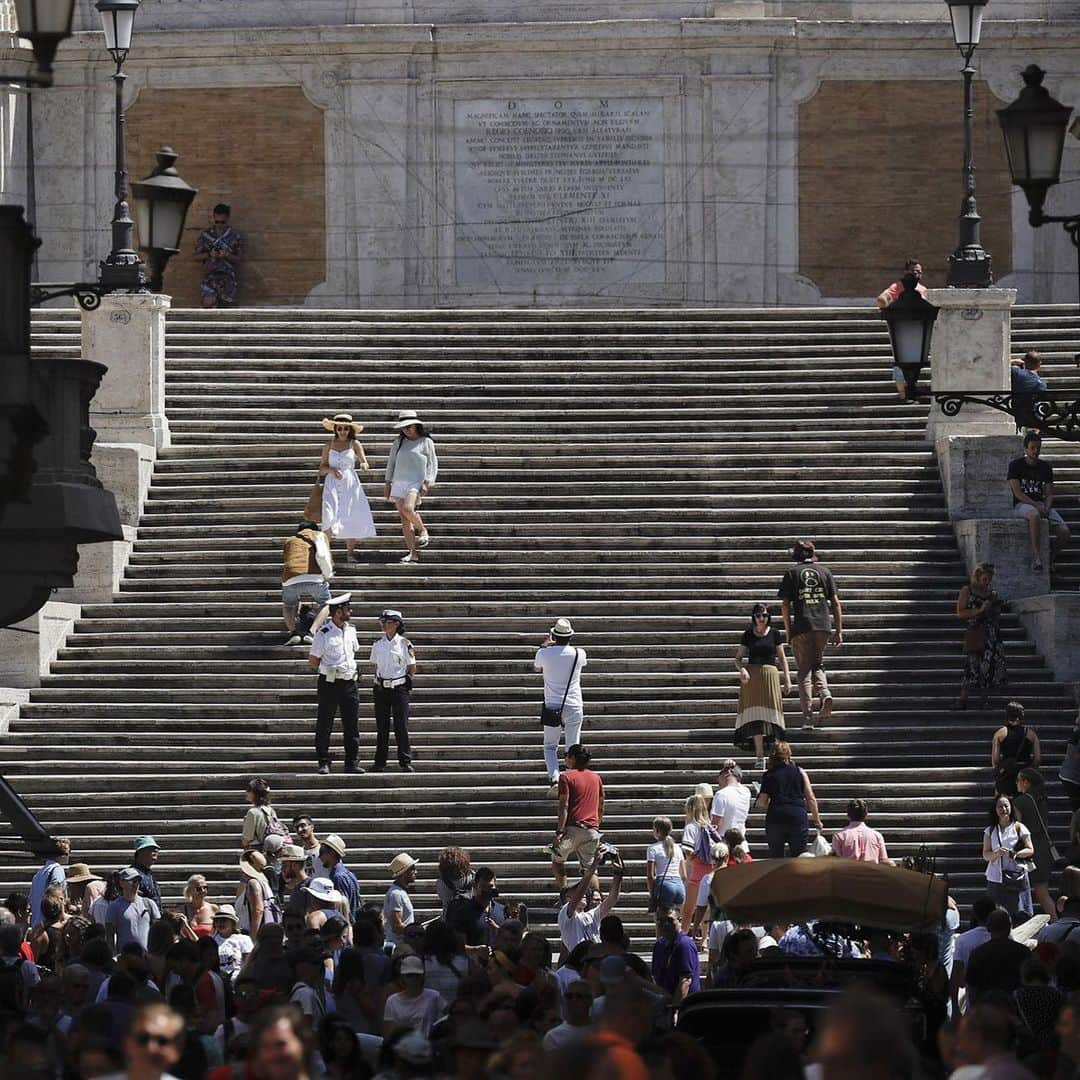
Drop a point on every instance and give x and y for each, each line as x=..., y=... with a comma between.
x=1053, y=414
x=1071, y=223
x=87, y=293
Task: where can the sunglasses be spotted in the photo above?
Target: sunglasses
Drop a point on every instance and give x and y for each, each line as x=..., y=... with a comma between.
x=144, y=1038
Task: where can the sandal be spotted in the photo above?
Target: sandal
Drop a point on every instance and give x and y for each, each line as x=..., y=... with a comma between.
x=410, y=558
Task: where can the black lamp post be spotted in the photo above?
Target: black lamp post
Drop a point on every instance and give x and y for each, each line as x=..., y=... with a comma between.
x=45, y=23
x=162, y=201
x=122, y=269
x=1034, y=126
x=969, y=264
x=910, y=319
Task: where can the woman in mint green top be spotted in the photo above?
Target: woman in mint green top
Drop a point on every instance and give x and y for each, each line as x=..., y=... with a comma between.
x=411, y=470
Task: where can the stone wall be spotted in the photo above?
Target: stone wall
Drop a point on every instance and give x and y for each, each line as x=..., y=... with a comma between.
x=273, y=177
x=879, y=180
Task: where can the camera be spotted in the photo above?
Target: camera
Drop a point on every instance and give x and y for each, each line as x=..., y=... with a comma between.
x=609, y=853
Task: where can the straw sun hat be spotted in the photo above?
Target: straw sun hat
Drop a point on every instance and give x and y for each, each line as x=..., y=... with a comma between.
x=342, y=419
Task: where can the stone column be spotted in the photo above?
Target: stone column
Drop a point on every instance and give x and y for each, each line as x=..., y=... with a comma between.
x=970, y=352
x=127, y=334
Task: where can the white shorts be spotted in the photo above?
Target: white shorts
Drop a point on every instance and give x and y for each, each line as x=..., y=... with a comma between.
x=1027, y=510
x=400, y=489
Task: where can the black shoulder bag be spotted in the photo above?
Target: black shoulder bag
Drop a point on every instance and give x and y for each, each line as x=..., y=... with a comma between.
x=553, y=717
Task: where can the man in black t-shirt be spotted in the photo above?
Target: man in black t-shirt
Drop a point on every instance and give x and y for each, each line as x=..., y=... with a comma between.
x=811, y=609
x=1031, y=482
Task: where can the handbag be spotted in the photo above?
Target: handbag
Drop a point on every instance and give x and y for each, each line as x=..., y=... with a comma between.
x=313, y=510
x=654, y=892
x=1054, y=853
x=553, y=717
x=1015, y=876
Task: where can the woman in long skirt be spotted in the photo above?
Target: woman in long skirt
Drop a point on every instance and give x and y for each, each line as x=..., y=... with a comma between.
x=346, y=514
x=984, y=654
x=759, y=659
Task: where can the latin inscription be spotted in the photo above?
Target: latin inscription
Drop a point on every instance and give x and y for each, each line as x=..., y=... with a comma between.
x=559, y=192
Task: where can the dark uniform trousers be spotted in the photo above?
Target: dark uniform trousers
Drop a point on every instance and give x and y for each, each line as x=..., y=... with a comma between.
x=392, y=701
x=333, y=696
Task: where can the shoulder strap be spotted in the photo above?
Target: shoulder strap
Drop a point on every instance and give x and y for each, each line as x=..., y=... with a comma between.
x=566, y=692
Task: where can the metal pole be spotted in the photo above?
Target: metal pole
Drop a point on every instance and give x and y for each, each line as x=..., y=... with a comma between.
x=969, y=264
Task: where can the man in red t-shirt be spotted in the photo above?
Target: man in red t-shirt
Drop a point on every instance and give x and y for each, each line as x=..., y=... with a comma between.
x=581, y=812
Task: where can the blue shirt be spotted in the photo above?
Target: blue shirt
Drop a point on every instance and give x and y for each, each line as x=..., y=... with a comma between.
x=1026, y=382
x=671, y=963
x=148, y=887
x=51, y=873
x=345, y=882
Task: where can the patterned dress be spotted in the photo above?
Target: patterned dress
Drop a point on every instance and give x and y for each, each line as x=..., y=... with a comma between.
x=986, y=669
x=219, y=281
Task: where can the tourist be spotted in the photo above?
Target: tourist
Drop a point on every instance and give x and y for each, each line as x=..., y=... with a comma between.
x=1068, y=773
x=281, y=1044
x=333, y=653
x=906, y=376
x=395, y=665
x=1032, y=809
x=857, y=840
x=332, y=854
x=397, y=912
x=966, y=944
x=307, y=567
x=153, y=1044
x=145, y=855
x=47, y=936
x=995, y=965
x=812, y=618
x=340, y=1049
x=665, y=868
x=309, y=993
x=293, y=877
x=220, y=248
x=83, y=888
x=581, y=813
x=346, y=514
x=196, y=914
x=1006, y=847
x=49, y=876
x=675, y=961
x=984, y=653
x=477, y=915
x=1031, y=483
x=758, y=659
x=577, y=1002
x=563, y=710
x=304, y=828
x=731, y=803
x=1012, y=747
x=415, y=1007
x=787, y=797
x=255, y=902
x=411, y=470
x=583, y=906
x=892, y=293
x=453, y=878
x=1024, y=383
x=233, y=945
x=444, y=959
x=261, y=820
x=697, y=841
x=128, y=918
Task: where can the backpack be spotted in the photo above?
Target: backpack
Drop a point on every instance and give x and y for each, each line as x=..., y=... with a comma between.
x=271, y=909
x=274, y=827
x=706, y=838
x=13, y=993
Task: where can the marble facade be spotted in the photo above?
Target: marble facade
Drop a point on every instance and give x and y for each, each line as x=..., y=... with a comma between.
x=472, y=158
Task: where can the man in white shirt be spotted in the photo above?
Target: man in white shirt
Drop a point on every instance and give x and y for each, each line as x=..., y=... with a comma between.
x=580, y=915
x=577, y=1005
x=395, y=664
x=966, y=944
x=415, y=1007
x=561, y=665
x=731, y=803
x=333, y=652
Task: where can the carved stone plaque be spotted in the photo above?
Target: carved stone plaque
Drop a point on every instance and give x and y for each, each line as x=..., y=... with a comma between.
x=559, y=192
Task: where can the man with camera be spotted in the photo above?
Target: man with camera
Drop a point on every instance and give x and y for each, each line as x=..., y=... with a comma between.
x=333, y=652
x=585, y=907
x=478, y=916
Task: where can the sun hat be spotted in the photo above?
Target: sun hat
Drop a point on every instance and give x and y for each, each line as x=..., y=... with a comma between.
x=145, y=842
x=412, y=965
x=340, y=420
x=401, y=863
x=130, y=874
x=78, y=872
x=227, y=911
x=413, y=1049
x=273, y=843
x=291, y=853
x=562, y=628
x=253, y=864
x=406, y=418
x=322, y=888
x=335, y=844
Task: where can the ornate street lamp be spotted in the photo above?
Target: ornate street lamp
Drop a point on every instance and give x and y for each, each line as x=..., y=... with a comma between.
x=910, y=319
x=969, y=264
x=122, y=269
x=44, y=23
x=162, y=201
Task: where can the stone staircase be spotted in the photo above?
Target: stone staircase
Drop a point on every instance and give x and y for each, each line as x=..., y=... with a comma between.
x=643, y=473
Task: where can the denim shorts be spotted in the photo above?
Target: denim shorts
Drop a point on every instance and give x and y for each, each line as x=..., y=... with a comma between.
x=291, y=595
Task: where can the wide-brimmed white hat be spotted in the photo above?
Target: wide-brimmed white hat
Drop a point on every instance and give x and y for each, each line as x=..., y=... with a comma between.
x=340, y=420
x=253, y=864
x=402, y=863
x=335, y=844
x=406, y=418
x=562, y=628
x=227, y=911
x=322, y=888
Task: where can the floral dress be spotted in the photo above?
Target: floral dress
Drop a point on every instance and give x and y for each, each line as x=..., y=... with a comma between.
x=985, y=669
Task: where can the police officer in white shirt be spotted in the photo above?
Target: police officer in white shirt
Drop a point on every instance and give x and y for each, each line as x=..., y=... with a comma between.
x=395, y=663
x=333, y=652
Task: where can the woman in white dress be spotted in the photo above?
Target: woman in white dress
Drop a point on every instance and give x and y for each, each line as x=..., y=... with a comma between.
x=346, y=514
